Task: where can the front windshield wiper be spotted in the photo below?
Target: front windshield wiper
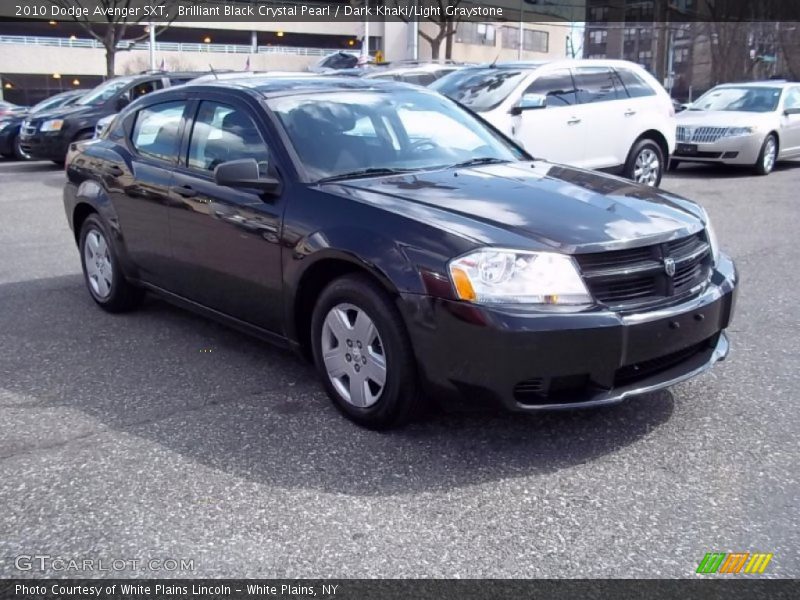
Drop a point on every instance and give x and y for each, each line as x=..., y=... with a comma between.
x=485, y=160
x=365, y=173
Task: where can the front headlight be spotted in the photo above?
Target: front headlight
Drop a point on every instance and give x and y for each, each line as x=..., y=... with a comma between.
x=736, y=131
x=501, y=276
x=712, y=237
x=52, y=125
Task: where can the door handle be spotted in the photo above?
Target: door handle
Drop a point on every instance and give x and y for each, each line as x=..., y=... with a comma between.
x=573, y=121
x=630, y=112
x=184, y=191
x=114, y=170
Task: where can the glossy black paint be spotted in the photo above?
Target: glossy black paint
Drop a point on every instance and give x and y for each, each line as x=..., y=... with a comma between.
x=252, y=259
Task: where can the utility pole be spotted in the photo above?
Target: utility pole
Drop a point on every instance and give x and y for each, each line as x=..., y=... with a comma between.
x=152, y=27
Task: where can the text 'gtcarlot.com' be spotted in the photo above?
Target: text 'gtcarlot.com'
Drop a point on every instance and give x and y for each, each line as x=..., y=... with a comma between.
x=46, y=562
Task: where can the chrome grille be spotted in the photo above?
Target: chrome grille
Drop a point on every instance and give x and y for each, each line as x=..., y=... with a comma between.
x=29, y=127
x=700, y=135
x=640, y=276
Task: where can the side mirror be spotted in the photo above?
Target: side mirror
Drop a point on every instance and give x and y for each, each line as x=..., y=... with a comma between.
x=244, y=173
x=529, y=102
x=792, y=111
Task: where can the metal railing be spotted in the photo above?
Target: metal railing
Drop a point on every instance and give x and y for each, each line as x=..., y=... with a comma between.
x=31, y=40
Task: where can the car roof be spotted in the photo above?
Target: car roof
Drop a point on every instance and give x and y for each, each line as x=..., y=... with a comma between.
x=777, y=83
x=418, y=68
x=289, y=85
x=564, y=62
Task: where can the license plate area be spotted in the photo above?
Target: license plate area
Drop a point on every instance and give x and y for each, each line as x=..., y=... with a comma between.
x=686, y=149
x=672, y=334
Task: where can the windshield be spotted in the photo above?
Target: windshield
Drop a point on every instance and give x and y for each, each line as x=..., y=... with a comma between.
x=745, y=98
x=345, y=133
x=54, y=102
x=480, y=89
x=103, y=92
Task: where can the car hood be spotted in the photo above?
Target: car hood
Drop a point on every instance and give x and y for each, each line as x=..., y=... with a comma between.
x=722, y=118
x=562, y=207
x=63, y=112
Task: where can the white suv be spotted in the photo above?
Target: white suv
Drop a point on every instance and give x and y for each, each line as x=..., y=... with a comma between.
x=596, y=114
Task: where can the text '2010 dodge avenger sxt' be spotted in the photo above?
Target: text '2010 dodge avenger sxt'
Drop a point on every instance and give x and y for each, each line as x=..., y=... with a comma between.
x=407, y=247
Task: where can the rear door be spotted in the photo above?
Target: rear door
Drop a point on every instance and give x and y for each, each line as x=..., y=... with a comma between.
x=554, y=133
x=226, y=241
x=604, y=112
x=138, y=178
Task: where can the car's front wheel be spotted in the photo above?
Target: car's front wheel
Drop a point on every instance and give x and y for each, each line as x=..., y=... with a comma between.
x=645, y=163
x=363, y=354
x=768, y=156
x=101, y=269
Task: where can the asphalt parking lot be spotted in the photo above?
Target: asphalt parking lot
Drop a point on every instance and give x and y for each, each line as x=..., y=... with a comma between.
x=159, y=434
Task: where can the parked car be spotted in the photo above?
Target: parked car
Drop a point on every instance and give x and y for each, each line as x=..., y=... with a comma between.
x=423, y=74
x=751, y=124
x=11, y=124
x=47, y=135
x=406, y=260
x=597, y=114
x=7, y=108
x=335, y=61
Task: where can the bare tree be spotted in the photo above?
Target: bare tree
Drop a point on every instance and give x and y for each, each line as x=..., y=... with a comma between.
x=445, y=29
x=116, y=28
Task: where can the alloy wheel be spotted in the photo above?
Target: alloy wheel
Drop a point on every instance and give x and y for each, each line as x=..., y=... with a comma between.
x=647, y=167
x=99, y=269
x=354, y=355
x=770, y=151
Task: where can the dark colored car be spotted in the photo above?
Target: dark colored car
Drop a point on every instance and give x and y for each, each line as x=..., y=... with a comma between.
x=10, y=124
x=47, y=135
x=409, y=260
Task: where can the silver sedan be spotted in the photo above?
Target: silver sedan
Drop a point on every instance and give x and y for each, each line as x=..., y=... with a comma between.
x=754, y=124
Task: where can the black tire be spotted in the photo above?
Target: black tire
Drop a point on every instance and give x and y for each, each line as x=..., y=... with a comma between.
x=760, y=167
x=640, y=148
x=673, y=164
x=122, y=295
x=18, y=152
x=400, y=399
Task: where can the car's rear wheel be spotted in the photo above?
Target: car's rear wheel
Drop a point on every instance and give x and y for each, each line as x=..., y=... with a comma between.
x=768, y=156
x=101, y=269
x=645, y=163
x=363, y=354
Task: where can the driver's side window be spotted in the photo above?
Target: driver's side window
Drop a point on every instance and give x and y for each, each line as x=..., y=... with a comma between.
x=556, y=86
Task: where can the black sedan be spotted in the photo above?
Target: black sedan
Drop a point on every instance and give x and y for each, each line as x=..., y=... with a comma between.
x=402, y=244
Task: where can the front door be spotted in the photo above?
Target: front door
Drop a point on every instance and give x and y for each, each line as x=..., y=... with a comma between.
x=790, y=124
x=226, y=241
x=554, y=133
x=139, y=187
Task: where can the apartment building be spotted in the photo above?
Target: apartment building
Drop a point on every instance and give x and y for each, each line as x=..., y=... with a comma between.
x=40, y=58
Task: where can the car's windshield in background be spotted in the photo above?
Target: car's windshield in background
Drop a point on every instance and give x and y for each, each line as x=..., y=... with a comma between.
x=341, y=133
x=480, y=89
x=103, y=92
x=745, y=98
x=54, y=102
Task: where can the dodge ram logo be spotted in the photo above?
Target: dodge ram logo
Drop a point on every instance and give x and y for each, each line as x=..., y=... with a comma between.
x=669, y=266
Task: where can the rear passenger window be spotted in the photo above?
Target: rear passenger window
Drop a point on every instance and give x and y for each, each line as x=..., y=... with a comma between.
x=156, y=131
x=423, y=79
x=222, y=133
x=557, y=86
x=634, y=84
x=597, y=84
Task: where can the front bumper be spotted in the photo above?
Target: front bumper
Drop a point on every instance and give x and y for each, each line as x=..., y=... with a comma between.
x=528, y=361
x=45, y=146
x=740, y=150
